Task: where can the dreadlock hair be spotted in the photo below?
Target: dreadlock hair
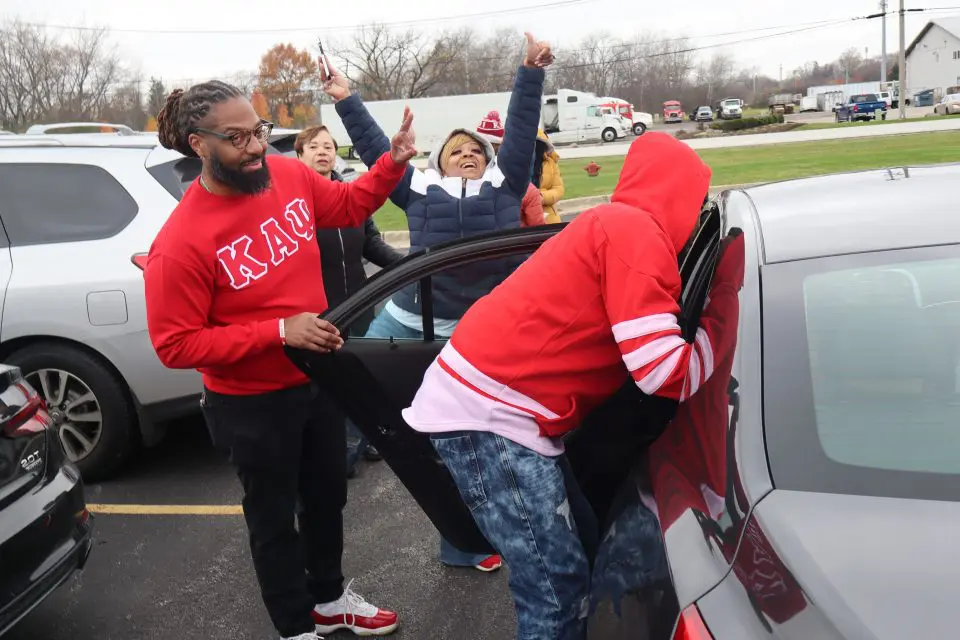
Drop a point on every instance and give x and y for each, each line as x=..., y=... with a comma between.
x=184, y=110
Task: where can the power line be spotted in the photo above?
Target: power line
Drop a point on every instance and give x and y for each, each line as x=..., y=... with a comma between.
x=793, y=29
x=327, y=29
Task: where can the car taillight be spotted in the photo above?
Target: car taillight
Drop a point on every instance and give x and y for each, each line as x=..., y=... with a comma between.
x=691, y=626
x=856, y=108
x=140, y=260
x=30, y=419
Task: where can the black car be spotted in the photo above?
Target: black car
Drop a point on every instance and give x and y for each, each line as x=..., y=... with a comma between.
x=811, y=488
x=45, y=528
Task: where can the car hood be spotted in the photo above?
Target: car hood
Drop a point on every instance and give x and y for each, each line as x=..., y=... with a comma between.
x=883, y=568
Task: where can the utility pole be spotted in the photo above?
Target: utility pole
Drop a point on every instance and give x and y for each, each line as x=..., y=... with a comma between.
x=883, y=41
x=903, y=63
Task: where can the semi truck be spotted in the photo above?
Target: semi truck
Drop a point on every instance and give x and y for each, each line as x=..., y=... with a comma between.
x=639, y=121
x=781, y=103
x=575, y=116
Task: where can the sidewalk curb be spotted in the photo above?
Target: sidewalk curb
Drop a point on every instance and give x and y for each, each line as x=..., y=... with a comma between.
x=565, y=208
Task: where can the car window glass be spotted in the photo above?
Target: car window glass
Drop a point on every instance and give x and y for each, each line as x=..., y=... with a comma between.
x=452, y=292
x=884, y=354
x=862, y=373
x=49, y=203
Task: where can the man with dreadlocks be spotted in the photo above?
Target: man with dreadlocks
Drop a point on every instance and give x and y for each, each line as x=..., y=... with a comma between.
x=232, y=277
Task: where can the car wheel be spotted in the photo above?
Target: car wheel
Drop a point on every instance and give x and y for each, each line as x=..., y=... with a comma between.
x=609, y=135
x=639, y=128
x=88, y=404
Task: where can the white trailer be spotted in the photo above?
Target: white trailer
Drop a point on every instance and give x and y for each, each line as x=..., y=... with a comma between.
x=434, y=118
x=808, y=103
x=828, y=100
x=847, y=89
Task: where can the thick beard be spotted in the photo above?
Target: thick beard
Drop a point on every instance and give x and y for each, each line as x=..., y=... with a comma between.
x=246, y=182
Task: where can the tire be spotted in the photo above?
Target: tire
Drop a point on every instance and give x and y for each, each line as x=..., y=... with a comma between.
x=118, y=427
x=608, y=135
x=639, y=128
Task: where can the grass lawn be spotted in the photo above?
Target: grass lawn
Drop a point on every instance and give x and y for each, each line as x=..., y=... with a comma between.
x=740, y=165
x=891, y=119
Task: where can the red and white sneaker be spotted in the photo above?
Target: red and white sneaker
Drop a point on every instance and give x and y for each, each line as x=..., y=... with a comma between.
x=304, y=636
x=490, y=563
x=353, y=613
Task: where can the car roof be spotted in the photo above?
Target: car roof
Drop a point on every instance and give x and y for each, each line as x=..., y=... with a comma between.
x=144, y=141
x=856, y=212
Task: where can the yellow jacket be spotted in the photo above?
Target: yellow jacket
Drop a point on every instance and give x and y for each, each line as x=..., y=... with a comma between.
x=551, y=182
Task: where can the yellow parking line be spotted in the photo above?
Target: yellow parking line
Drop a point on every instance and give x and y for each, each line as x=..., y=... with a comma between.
x=167, y=509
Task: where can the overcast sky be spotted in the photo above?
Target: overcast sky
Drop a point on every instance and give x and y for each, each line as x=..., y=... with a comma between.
x=174, y=54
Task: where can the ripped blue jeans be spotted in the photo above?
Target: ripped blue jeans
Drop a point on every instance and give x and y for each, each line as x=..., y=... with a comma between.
x=531, y=509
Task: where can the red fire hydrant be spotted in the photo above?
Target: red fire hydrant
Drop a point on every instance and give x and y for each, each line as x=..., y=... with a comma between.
x=592, y=169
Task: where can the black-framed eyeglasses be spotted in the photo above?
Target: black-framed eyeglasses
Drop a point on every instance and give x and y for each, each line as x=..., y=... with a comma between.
x=240, y=139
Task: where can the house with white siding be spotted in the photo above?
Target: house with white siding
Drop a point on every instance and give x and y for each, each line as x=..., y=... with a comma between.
x=933, y=58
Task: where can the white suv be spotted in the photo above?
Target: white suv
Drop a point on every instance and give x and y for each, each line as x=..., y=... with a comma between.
x=77, y=213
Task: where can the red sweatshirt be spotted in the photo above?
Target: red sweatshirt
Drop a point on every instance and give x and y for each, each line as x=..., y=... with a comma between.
x=224, y=270
x=553, y=348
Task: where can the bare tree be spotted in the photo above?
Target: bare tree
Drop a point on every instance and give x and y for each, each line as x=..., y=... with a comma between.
x=385, y=65
x=91, y=67
x=849, y=61
x=42, y=80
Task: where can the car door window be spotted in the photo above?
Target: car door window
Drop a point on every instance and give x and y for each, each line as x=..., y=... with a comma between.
x=430, y=308
x=873, y=342
x=52, y=203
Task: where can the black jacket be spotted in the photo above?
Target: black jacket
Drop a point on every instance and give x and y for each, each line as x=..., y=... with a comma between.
x=341, y=260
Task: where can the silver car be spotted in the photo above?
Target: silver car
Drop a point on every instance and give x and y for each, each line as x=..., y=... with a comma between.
x=77, y=210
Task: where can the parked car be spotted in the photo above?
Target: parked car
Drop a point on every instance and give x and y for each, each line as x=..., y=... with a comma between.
x=833, y=428
x=949, y=105
x=704, y=114
x=861, y=106
x=79, y=212
x=45, y=528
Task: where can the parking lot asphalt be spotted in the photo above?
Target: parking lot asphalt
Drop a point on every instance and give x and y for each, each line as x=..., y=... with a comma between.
x=166, y=577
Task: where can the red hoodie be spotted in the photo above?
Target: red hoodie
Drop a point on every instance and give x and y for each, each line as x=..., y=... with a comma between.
x=547, y=350
x=224, y=270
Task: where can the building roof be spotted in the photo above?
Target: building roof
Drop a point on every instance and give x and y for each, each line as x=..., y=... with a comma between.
x=950, y=25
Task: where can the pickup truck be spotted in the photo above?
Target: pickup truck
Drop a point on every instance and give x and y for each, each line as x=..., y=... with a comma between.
x=862, y=106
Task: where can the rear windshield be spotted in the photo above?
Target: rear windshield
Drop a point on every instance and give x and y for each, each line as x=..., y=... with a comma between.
x=177, y=175
x=862, y=373
x=867, y=97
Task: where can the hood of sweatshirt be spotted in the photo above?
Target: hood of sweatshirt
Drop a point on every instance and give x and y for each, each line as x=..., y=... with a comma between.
x=433, y=162
x=665, y=178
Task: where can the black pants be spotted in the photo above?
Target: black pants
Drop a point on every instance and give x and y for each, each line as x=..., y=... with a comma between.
x=289, y=450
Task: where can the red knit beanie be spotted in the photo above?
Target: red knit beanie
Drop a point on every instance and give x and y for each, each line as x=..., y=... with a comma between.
x=492, y=128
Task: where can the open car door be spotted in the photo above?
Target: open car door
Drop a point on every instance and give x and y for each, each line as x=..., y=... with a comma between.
x=374, y=379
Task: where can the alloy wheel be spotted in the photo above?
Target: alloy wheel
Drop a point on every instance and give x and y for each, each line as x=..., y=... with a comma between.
x=73, y=408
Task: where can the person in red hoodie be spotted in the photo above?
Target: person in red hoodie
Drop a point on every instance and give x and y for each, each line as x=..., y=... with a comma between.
x=497, y=410
x=232, y=277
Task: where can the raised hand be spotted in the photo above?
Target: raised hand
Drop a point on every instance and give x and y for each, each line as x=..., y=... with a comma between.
x=539, y=54
x=403, y=145
x=335, y=85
